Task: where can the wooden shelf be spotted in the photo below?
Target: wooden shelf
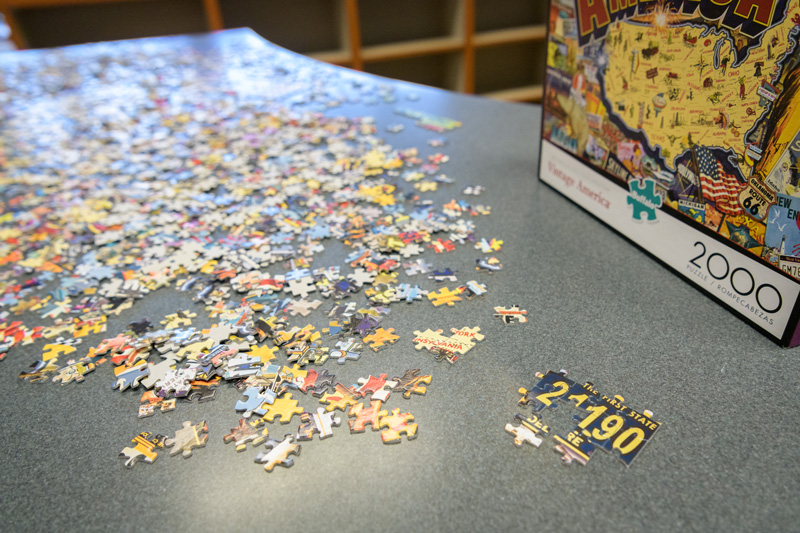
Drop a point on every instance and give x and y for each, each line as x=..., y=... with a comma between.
x=417, y=48
x=531, y=93
x=25, y=4
x=337, y=57
x=510, y=35
x=455, y=34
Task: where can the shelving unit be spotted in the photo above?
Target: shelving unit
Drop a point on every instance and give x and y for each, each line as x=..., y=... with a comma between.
x=494, y=48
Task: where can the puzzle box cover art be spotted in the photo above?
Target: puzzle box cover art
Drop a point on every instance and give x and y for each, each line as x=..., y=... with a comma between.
x=677, y=123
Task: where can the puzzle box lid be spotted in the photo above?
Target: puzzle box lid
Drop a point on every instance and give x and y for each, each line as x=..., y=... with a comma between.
x=677, y=123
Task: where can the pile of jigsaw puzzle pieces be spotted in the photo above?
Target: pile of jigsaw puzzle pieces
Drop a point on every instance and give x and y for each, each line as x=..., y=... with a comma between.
x=154, y=175
x=266, y=396
x=608, y=423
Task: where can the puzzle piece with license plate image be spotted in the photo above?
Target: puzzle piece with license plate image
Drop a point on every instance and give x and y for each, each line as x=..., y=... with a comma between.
x=606, y=423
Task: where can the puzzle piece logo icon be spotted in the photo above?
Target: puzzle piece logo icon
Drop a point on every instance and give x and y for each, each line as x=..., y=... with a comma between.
x=644, y=199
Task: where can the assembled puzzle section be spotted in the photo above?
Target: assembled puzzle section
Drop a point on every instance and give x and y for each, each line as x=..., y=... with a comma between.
x=677, y=123
x=605, y=422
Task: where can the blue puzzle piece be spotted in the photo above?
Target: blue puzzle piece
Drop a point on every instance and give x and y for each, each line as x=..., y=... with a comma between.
x=255, y=401
x=644, y=199
x=131, y=377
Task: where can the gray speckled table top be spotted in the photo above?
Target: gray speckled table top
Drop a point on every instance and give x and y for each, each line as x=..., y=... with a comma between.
x=724, y=459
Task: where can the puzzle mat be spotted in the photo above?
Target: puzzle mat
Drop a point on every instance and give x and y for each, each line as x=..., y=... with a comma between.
x=597, y=306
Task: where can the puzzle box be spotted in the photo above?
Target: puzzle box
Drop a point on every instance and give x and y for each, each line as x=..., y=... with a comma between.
x=677, y=123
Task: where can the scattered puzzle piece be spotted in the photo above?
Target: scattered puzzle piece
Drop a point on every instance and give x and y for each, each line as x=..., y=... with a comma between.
x=317, y=383
x=145, y=449
x=411, y=383
x=244, y=433
x=371, y=384
x=178, y=319
x=512, y=314
x=283, y=407
x=73, y=372
x=256, y=402
x=370, y=415
x=444, y=296
x=347, y=351
x=279, y=452
x=189, y=437
x=485, y=246
x=340, y=398
x=130, y=376
x=489, y=264
x=152, y=402
x=381, y=338
x=396, y=425
x=320, y=423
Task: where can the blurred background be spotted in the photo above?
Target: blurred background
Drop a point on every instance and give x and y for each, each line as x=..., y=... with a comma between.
x=494, y=48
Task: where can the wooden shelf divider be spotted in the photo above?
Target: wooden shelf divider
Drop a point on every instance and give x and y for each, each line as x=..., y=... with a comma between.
x=511, y=35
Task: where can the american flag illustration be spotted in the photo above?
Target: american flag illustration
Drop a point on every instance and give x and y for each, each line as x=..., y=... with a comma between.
x=718, y=186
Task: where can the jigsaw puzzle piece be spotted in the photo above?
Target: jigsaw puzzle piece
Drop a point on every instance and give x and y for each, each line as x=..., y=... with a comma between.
x=411, y=383
x=145, y=449
x=430, y=339
x=317, y=382
x=177, y=382
x=244, y=433
x=73, y=372
x=256, y=402
x=381, y=338
x=279, y=452
x=511, y=314
x=130, y=376
x=396, y=425
x=644, y=199
x=152, y=402
x=465, y=338
x=383, y=393
x=320, y=423
x=444, y=296
x=573, y=449
x=370, y=415
x=371, y=384
x=528, y=430
x=555, y=386
x=615, y=428
x=187, y=438
x=340, y=398
x=347, y=351
x=158, y=372
x=284, y=408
